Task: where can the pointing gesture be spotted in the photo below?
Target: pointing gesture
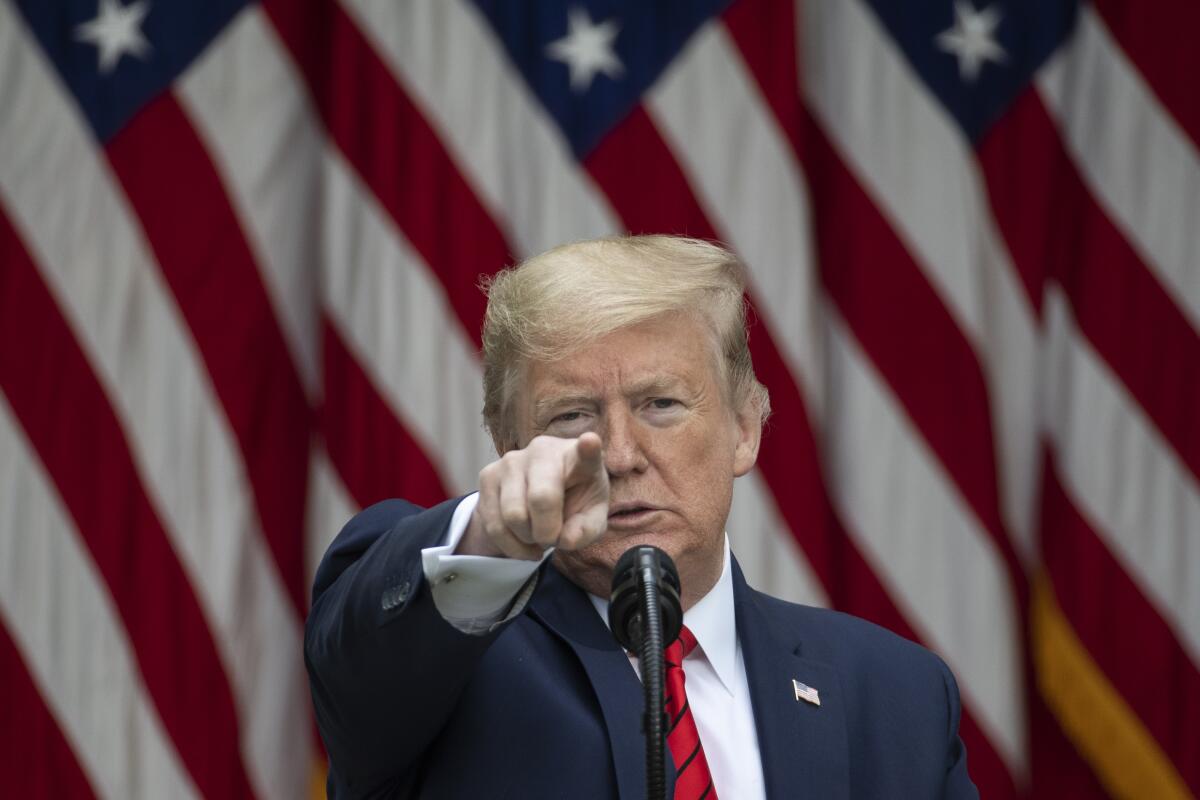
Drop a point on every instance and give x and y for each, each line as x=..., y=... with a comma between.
x=552, y=493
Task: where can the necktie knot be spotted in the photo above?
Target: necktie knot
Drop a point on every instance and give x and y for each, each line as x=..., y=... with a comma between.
x=681, y=648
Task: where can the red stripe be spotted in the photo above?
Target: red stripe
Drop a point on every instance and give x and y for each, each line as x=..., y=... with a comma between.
x=202, y=252
x=907, y=332
x=35, y=758
x=1125, y=635
x=69, y=422
x=1159, y=42
x=369, y=446
x=884, y=296
x=397, y=153
x=645, y=185
x=1119, y=305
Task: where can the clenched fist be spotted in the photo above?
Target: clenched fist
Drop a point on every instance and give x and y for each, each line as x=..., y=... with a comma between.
x=552, y=493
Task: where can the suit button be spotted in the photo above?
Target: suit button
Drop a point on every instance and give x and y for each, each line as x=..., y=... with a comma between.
x=395, y=595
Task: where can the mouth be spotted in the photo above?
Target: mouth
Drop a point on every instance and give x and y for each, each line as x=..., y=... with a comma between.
x=626, y=516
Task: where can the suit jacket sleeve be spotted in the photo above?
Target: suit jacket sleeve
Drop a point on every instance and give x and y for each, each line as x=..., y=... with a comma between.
x=385, y=668
x=958, y=784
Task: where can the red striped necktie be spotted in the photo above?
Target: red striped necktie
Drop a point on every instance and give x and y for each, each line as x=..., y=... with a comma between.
x=693, y=780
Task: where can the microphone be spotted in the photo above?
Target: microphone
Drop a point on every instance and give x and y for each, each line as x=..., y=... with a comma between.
x=645, y=615
x=637, y=566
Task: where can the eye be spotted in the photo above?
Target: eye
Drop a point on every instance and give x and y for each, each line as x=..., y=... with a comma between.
x=663, y=403
x=570, y=416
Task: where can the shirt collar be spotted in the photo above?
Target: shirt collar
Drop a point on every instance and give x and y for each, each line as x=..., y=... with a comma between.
x=711, y=620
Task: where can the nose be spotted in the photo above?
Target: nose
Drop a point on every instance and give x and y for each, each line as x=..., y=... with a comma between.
x=624, y=450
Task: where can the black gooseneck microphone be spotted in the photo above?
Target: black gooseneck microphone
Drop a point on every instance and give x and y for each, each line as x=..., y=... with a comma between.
x=645, y=615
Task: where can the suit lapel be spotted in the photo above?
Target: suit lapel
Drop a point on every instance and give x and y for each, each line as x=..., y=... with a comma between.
x=566, y=611
x=804, y=746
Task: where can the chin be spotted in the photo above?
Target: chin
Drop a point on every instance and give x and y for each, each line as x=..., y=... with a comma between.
x=591, y=568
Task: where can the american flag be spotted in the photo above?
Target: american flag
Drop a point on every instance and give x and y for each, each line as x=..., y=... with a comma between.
x=239, y=246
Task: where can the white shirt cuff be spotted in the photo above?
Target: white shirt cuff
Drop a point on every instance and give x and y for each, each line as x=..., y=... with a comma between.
x=473, y=593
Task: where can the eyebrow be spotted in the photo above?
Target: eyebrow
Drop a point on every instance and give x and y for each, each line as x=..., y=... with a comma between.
x=548, y=404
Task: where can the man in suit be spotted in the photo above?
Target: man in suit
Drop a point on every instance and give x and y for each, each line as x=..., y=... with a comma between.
x=462, y=651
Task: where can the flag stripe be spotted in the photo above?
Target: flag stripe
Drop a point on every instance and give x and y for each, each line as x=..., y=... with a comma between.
x=374, y=454
x=111, y=293
x=1122, y=632
x=37, y=760
x=1140, y=166
x=330, y=507
x=516, y=161
x=349, y=83
x=890, y=310
x=252, y=116
x=61, y=615
x=1167, y=62
x=198, y=244
x=1124, y=311
x=1144, y=503
x=384, y=303
x=952, y=248
x=771, y=558
x=783, y=275
x=395, y=317
x=961, y=615
x=67, y=419
x=1100, y=723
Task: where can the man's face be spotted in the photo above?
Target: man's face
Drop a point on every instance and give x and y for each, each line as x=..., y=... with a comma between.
x=672, y=443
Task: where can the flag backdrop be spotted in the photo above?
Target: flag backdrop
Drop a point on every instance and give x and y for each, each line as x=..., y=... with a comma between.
x=239, y=246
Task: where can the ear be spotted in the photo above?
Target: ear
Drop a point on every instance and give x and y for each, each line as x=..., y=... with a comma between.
x=748, y=420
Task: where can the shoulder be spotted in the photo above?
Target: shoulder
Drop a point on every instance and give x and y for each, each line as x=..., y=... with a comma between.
x=870, y=658
x=375, y=523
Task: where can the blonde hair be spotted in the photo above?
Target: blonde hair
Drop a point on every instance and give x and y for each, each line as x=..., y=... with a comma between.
x=559, y=301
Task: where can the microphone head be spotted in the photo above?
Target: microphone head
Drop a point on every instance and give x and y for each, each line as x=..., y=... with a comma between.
x=637, y=564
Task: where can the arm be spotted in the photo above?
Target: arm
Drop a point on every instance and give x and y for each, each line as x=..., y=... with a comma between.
x=385, y=668
x=958, y=785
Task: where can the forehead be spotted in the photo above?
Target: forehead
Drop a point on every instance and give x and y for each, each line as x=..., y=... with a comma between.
x=662, y=351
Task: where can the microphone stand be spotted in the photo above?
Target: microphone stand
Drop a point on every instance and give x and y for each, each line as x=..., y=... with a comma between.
x=644, y=610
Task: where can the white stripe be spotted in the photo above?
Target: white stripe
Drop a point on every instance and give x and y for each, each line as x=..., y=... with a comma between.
x=1137, y=163
x=1140, y=499
x=923, y=543
x=329, y=509
x=768, y=554
x=62, y=619
x=507, y=147
x=919, y=169
x=381, y=297
x=264, y=154
x=398, y=323
x=757, y=200
x=126, y=321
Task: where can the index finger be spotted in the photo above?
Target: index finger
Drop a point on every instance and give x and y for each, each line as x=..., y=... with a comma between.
x=588, y=456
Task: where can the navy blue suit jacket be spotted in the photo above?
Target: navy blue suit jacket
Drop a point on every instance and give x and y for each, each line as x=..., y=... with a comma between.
x=547, y=704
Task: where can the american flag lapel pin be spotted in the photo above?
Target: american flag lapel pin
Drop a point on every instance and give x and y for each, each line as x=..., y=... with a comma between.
x=806, y=693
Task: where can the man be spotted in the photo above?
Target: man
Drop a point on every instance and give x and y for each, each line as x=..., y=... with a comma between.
x=463, y=651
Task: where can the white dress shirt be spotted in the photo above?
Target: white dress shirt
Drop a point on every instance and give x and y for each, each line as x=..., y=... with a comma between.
x=474, y=593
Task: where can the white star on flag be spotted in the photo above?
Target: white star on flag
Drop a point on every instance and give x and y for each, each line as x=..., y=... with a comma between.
x=587, y=49
x=972, y=39
x=115, y=31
